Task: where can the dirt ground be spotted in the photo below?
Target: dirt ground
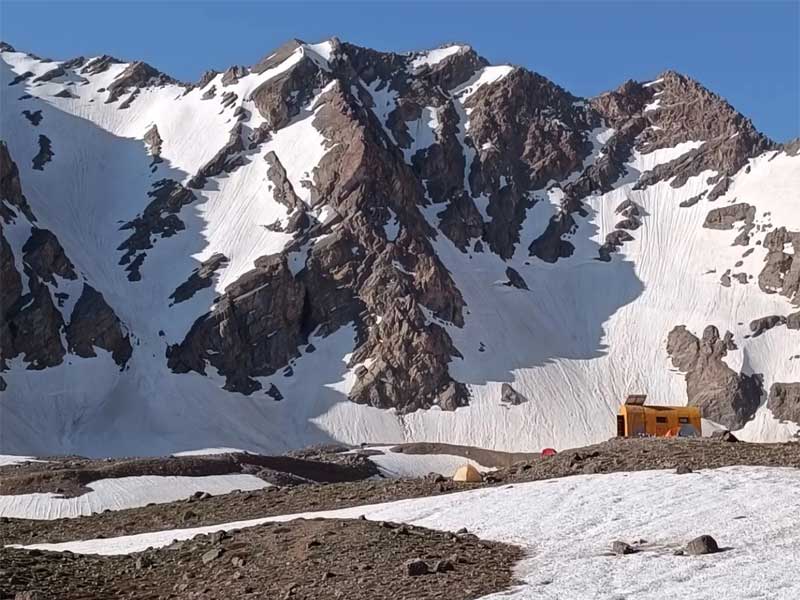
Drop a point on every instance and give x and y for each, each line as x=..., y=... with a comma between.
x=298, y=560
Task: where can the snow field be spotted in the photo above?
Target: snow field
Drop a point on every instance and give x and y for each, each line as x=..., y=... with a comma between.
x=123, y=492
x=566, y=526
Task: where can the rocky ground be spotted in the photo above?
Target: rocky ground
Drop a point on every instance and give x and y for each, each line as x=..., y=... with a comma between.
x=68, y=476
x=302, y=559
x=607, y=457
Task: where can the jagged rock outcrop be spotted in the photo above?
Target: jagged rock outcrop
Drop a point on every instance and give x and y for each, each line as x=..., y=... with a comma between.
x=136, y=75
x=508, y=395
x=253, y=330
x=759, y=326
x=45, y=256
x=99, y=65
x=93, y=324
x=35, y=117
x=685, y=110
x=225, y=160
x=784, y=401
x=781, y=273
x=723, y=396
x=160, y=218
x=31, y=322
x=45, y=154
x=284, y=192
x=201, y=278
x=153, y=141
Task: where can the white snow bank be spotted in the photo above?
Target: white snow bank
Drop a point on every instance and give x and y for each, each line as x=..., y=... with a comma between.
x=121, y=493
x=398, y=464
x=12, y=459
x=433, y=57
x=209, y=451
x=567, y=524
x=484, y=76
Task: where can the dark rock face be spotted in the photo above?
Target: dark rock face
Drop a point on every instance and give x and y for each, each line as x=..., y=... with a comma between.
x=93, y=324
x=35, y=117
x=99, y=65
x=724, y=396
x=705, y=544
x=725, y=217
x=44, y=254
x=201, y=278
x=515, y=279
x=31, y=323
x=272, y=310
x=784, y=401
x=160, y=218
x=622, y=548
x=781, y=273
x=225, y=160
x=284, y=192
x=11, y=196
x=136, y=75
x=153, y=141
x=535, y=131
x=280, y=98
x=759, y=326
x=45, y=154
x=21, y=77
x=508, y=395
x=688, y=111
x=263, y=312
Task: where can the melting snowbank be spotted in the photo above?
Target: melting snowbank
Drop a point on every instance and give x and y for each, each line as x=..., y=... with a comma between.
x=123, y=492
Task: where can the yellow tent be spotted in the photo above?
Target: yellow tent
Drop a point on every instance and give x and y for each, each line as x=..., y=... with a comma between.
x=467, y=473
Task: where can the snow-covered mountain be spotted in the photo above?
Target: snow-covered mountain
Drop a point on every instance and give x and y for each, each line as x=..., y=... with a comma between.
x=340, y=244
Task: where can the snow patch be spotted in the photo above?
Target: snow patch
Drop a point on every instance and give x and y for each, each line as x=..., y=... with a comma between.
x=121, y=493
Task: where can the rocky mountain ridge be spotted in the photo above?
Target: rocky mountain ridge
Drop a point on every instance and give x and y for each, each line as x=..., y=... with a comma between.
x=229, y=236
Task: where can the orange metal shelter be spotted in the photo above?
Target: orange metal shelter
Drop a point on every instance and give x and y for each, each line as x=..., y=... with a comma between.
x=637, y=420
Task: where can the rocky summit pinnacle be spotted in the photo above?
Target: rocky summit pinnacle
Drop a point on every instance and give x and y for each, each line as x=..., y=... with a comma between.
x=338, y=243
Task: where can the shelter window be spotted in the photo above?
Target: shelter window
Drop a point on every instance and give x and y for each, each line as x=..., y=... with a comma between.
x=683, y=419
x=661, y=419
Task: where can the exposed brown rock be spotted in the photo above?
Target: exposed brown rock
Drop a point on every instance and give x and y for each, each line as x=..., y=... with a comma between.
x=201, y=278
x=781, y=273
x=724, y=396
x=45, y=154
x=99, y=65
x=153, y=141
x=228, y=158
x=136, y=75
x=160, y=218
x=784, y=401
x=93, y=324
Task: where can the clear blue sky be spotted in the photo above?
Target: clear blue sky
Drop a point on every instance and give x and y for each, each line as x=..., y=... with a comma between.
x=746, y=51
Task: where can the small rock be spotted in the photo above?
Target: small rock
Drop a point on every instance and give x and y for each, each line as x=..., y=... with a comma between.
x=705, y=544
x=620, y=548
x=416, y=567
x=682, y=469
x=188, y=515
x=212, y=555
x=443, y=566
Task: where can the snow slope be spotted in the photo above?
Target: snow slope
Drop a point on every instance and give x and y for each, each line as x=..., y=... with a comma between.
x=566, y=526
x=399, y=464
x=123, y=492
